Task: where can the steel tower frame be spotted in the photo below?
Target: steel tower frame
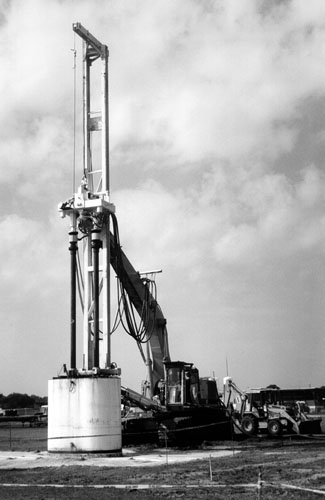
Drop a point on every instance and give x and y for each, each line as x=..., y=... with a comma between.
x=89, y=210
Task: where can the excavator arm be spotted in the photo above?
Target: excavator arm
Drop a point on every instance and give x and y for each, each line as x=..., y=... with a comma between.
x=138, y=294
x=231, y=392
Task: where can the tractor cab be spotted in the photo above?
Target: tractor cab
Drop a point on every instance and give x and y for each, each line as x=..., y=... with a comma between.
x=182, y=384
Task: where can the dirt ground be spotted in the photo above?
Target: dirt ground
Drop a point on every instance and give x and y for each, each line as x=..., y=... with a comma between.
x=290, y=468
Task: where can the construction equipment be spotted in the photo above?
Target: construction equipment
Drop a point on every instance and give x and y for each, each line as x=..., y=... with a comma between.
x=92, y=387
x=177, y=404
x=262, y=410
x=137, y=291
x=178, y=414
x=174, y=395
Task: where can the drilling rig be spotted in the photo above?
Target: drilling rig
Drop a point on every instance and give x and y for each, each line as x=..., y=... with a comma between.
x=84, y=403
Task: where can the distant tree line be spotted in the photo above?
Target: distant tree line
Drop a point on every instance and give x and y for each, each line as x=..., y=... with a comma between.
x=17, y=400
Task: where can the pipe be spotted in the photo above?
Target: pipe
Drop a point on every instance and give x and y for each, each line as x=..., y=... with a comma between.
x=73, y=247
x=96, y=245
x=105, y=124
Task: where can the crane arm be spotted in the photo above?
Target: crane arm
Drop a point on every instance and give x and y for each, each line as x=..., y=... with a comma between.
x=138, y=293
x=141, y=401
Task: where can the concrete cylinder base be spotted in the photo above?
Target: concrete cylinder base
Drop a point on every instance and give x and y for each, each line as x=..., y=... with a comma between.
x=84, y=415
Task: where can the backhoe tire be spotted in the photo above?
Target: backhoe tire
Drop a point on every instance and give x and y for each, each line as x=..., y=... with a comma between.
x=249, y=425
x=274, y=427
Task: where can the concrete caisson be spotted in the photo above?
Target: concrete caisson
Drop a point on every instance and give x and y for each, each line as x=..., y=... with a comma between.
x=84, y=415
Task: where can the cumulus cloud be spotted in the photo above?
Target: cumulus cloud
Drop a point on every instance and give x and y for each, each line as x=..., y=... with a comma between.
x=232, y=85
x=234, y=222
x=211, y=104
x=273, y=216
x=31, y=253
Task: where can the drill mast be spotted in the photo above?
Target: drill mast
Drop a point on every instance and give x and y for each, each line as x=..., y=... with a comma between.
x=89, y=210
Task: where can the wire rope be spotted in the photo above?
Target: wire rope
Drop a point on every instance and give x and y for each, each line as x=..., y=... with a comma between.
x=74, y=67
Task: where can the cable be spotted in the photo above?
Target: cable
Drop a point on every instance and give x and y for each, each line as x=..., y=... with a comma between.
x=117, y=320
x=126, y=315
x=142, y=330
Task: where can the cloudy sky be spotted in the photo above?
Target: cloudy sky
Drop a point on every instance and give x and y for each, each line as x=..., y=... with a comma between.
x=217, y=144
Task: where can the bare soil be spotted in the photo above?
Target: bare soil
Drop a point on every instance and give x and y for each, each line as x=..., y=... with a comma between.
x=290, y=468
